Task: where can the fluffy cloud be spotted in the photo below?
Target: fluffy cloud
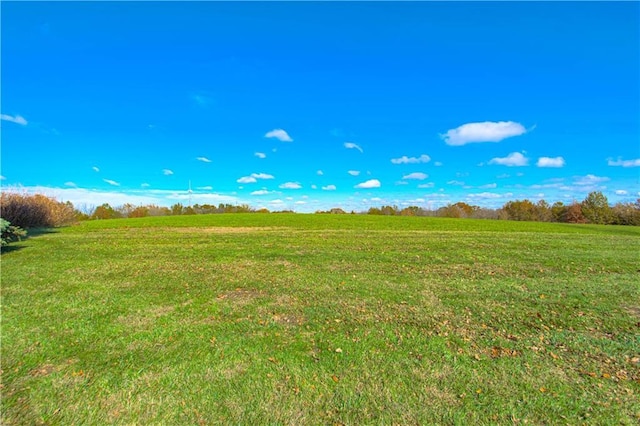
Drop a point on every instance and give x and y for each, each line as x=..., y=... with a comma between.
x=514, y=159
x=411, y=160
x=247, y=179
x=353, y=172
x=621, y=192
x=261, y=192
x=290, y=185
x=111, y=182
x=488, y=131
x=329, y=188
x=203, y=159
x=416, y=175
x=589, y=180
x=279, y=134
x=14, y=119
x=351, y=145
x=95, y=169
x=71, y=184
x=260, y=155
x=167, y=172
x=254, y=178
x=426, y=185
x=624, y=163
x=371, y=183
x=261, y=176
x=205, y=188
x=319, y=172
x=550, y=162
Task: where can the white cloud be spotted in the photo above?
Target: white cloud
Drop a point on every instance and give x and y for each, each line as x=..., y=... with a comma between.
x=514, y=159
x=589, y=180
x=14, y=119
x=314, y=186
x=550, y=162
x=95, y=169
x=261, y=192
x=437, y=164
x=621, y=192
x=488, y=131
x=489, y=186
x=329, y=188
x=503, y=176
x=319, y=172
x=260, y=155
x=416, y=175
x=2, y=178
x=205, y=188
x=247, y=179
x=624, y=163
x=261, y=176
x=70, y=184
x=351, y=145
x=426, y=185
x=485, y=195
x=279, y=134
x=278, y=201
x=371, y=183
x=111, y=182
x=203, y=159
x=167, y=172
x=411, y=160
x=290, y=185
x=455, y=182
x=354, y=172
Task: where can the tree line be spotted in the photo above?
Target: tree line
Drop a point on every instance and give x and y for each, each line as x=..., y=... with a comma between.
x=595, y=208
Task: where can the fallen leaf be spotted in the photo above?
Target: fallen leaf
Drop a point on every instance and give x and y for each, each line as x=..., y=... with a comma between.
x=339, y=350
x=335, y=378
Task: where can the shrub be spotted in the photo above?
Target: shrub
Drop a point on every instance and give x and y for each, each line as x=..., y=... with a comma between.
x=10, y=233
x=35, y=211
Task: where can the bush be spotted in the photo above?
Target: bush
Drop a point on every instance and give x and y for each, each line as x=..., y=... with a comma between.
x=35, y=211
x=10, y=233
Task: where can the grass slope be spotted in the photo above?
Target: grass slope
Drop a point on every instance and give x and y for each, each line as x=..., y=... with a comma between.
x=309, y=319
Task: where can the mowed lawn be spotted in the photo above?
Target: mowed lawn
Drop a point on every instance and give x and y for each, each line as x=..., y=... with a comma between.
x=318, y=319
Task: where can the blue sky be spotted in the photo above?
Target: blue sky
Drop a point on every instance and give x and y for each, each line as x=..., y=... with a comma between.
x=309, y=106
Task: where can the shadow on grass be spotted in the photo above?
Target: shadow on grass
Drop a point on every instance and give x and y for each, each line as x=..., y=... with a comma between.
x=32, y=232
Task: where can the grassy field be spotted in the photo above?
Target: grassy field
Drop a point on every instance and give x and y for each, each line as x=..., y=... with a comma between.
x=309, y=319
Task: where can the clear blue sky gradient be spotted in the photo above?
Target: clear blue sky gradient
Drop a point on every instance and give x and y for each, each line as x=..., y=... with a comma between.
x=100, y=99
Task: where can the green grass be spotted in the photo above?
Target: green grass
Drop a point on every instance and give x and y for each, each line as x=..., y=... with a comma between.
x=310, y=319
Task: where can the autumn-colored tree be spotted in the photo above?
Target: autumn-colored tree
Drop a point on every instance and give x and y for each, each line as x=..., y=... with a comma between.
x=105, y=211
x=141, y=211
x=596, y=209
x=177, y=209
x=559, y=212
x=574, y=214
x=626, y=213
x=520, y=210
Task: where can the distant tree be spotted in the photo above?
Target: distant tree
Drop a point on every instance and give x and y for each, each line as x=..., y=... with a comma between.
x=177, y=209
x=542, y=212
x=626, y=213
x=596, y=209
x=574, y=214
x=520, y=210
x=559, y=212
x=450, y=210
x=410, y=211
x=141, y=211
x=105, y=211
x=337, y=210
x=374, y=211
